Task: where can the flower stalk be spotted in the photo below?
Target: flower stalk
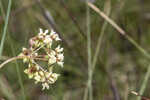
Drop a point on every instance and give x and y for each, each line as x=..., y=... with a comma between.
x=41, y=49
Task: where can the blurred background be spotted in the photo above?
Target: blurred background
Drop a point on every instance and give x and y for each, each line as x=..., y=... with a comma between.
x=120, y=67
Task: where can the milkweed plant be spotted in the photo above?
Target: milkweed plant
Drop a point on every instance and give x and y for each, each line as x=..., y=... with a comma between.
x=43, y=48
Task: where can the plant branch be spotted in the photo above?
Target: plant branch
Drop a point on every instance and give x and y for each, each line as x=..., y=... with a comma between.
x=11, y=59
x=119, y=29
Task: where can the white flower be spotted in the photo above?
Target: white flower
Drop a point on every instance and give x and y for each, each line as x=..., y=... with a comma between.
x=30, y=75
x=41, y=73
x=43, y=79
x=50, y=55
x=47, y=74
x=24, y=49
x=60, y=57
x=45, y=85
x=60, y=63
x=52, y=32
x=50, y=69
x=52, y=79
x=36, y=54
x=52, y=59
x=58, y=49
x=37, y=77
x=43, y=33
x=53, y=53
x=24, y=52
x=31, y=70
x=37, y=67
x=25, y=59
x=54, y=76
x=47, y=39
x=54, y=36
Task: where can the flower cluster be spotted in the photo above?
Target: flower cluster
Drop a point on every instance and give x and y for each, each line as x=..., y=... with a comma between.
x=42, y=49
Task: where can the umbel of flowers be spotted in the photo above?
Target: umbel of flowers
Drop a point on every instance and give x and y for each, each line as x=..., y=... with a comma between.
x=42, y=48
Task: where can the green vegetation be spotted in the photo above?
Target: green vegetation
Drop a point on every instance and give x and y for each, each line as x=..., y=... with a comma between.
x=106, y=56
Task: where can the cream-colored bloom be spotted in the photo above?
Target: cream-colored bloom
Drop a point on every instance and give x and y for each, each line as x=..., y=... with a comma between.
x=43, y=33
x=45, y=85
x=47, y=39
x=52, y=57
x=41, y=73
x=54, y=36
x=35, y=54
x=60, y=57
x=25, y=60
x=47, y=74
x=50, y=69
x=59, y=49
x=55, y=76
x=30, y=71
x=50, y=54
x=52, y=60
x=30, y=75
x=60, y=63
x=24, y=49
x=37, y=78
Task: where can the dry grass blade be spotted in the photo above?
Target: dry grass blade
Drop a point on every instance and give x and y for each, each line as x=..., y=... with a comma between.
x=106, y=18
x=145, y=82
x=9, y=60
x=122, y=32
x=142, y=98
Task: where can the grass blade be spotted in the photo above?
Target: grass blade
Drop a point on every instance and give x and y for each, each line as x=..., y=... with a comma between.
x=144, y=84
x=121, y=31
x=89, y=83
x=19, y=76
x=5, y=87
x=108, y=4
x=5, y=27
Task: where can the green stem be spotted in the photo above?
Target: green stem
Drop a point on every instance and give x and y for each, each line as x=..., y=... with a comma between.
x=89, y=83
x=122, y=32
x=10, y=60
x=19, y=74
x=5, y=27
x=144, y=84
x=145, y=53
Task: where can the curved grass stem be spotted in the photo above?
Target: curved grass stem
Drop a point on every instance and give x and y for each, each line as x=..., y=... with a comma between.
x=144, y=84
x=122, y=32
x=10, y=60
x=119, y=29
x=5, y=27
x=88, y=89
